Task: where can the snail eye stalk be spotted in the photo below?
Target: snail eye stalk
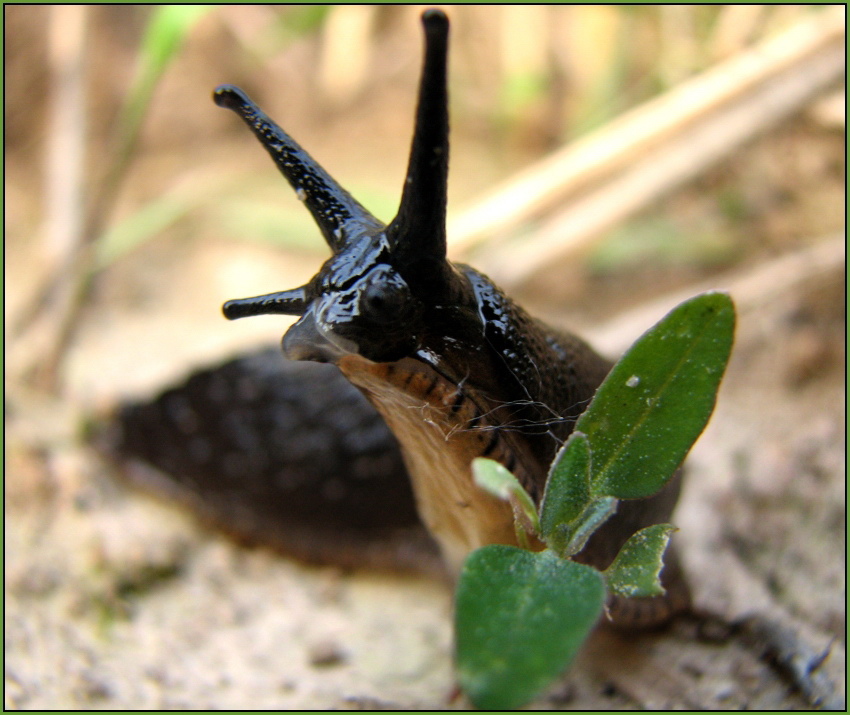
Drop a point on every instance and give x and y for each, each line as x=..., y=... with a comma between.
x=340, y=217
x=416, y=237
x=418, y=232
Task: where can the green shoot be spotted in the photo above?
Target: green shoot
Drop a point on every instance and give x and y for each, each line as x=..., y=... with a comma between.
x=522, y=616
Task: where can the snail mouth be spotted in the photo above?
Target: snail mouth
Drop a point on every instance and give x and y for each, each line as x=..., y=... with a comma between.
x=307, y=339
x=312, y=338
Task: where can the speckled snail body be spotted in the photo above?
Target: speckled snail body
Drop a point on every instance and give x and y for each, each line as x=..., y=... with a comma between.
x=453, y=366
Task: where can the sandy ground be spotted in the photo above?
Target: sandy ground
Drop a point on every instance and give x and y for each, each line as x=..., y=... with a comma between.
x=114, y=600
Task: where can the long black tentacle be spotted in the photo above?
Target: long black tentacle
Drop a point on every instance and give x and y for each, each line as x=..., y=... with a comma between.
x=339, y=215
x=286, y=302
x=418, y=232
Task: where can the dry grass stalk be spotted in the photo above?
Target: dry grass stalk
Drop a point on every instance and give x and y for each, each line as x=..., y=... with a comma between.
x=666, y=141
x=751, y=288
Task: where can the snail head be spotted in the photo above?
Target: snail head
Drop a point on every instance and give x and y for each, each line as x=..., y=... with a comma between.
x=372, y=296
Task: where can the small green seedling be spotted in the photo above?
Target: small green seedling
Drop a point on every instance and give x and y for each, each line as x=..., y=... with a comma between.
x=521, y=616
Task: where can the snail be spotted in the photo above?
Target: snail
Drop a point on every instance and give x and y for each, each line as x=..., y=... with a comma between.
x=454, y=368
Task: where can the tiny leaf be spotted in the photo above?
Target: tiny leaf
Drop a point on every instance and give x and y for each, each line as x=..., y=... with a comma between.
x=657, y=399
x=594, y=516
x=567, y=487
x=520, y=619
x=493, y=478
x=634, y=573
x=569, y=514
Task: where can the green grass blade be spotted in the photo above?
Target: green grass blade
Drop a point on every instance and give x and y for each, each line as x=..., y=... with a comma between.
x=144, y=224
x=166, y=30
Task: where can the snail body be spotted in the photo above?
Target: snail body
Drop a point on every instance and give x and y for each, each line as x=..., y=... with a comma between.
x=454, y=367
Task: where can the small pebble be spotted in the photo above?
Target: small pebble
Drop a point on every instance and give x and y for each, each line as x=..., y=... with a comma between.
x=326, y=654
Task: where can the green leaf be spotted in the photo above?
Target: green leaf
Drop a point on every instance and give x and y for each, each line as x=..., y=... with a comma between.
x=634, y=573
x=658, y=398
x=493, y=478
x=577, y=533
x=567, y=486
x=569, y=514
x=520, y=619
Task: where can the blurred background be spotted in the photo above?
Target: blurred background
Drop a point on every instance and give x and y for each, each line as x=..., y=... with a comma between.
x=605, y=159
x=114, y=144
